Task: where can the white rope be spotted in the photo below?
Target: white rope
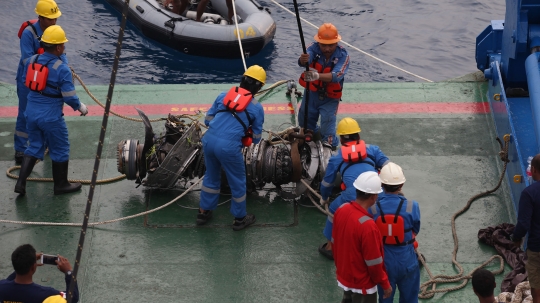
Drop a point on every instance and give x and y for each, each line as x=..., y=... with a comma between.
x=356, y=48
x=109, y=221
x=238, y=34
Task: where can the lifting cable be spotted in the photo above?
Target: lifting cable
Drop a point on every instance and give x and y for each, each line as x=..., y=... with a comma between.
x=351, y=46
x=98, y=153
x=308, y=83
x=238, y=34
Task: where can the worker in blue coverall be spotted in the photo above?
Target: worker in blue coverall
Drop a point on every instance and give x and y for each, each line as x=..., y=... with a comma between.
x=400, y=257
x=222, y=147
x=44, y=113
x=328, y=62
x=349, y=133
x=48, y=12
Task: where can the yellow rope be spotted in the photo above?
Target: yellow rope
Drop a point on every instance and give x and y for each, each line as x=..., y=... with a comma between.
x=102, y=181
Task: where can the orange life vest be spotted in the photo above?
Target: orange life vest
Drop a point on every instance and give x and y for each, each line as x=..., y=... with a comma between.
x=30, y=23
x=36, y=77
x=236, y=101
x=392, y=227
x=331, y=89
x=352, y=154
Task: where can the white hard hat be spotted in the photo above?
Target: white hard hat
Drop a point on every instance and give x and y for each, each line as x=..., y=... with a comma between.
x=368, y=182
x=392, y=174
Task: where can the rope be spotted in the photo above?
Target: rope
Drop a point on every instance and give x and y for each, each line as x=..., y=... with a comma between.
x=108, y=221
x=75, y=76
x=280, y=82
x=102, y=181
x=324, y=211
x=424, y=292
x=99, y=151
x=356, y=48
x=238, y=34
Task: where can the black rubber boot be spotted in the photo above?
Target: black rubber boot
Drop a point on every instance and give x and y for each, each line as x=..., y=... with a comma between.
x=204, y=217
x=61, y=183
x=27, y=165
x=243, y=223
x=19, y=157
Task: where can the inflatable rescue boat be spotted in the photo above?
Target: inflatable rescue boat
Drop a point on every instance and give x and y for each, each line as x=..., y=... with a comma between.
x=213, y=37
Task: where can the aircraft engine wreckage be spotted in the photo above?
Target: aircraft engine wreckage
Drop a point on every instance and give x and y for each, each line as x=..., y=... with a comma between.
x=177, y=155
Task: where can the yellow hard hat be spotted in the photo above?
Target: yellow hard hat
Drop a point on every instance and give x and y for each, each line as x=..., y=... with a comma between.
x=54, y=34
x=256, y=72
x=47, y=9
x=392, y=174
x=347, y=126
x=55, y=299
x=327, y=34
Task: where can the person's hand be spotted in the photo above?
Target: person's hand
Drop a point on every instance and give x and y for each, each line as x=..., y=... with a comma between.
x=83, y=110
x=311, y=75
x=63, y=264
x=38, y=257
x=518, y=243
x=323, y=202
x=304, y=59
x=387, y=292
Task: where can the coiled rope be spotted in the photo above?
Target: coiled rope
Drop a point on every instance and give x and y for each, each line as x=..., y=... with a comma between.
x=356, y=48
x=434, y=280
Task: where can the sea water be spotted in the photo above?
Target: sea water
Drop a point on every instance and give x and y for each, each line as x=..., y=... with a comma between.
x=434, y=39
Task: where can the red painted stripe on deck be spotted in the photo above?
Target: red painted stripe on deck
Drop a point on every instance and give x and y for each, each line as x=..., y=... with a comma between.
x=344, y=108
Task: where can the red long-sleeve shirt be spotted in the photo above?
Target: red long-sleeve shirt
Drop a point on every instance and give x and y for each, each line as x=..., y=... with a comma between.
x=358, y=249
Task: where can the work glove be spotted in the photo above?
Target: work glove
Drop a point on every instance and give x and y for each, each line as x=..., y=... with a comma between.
x=311, y=75
x=83, y=110
x=323, y=202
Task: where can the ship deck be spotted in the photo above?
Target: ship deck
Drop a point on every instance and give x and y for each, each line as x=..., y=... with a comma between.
x=440, y=133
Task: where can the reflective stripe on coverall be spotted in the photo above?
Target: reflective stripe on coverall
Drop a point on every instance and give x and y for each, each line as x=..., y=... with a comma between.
x=44, y=116
x=376, y=159
x=328, y=107
x=401, y=262
x=222, y=147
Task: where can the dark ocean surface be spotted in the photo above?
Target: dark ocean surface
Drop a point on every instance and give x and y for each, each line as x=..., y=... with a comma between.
x=434, y=39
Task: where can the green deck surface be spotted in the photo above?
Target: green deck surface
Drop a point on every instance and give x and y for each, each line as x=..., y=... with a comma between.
x=163, y=257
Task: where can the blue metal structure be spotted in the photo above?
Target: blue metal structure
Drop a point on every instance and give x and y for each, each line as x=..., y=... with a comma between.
x=509, y=52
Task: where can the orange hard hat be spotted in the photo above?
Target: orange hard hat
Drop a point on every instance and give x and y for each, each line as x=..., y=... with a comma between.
x=327, y=34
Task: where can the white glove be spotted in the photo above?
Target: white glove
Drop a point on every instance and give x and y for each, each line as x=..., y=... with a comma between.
x=83, y=110
x=323, y=202
x=311, y=75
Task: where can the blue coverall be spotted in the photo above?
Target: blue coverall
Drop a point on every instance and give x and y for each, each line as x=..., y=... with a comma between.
x=328, y=107
x=29, y=45
x=401, y=262
x=44, y=116
x=222, y=147
x=375, y=160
